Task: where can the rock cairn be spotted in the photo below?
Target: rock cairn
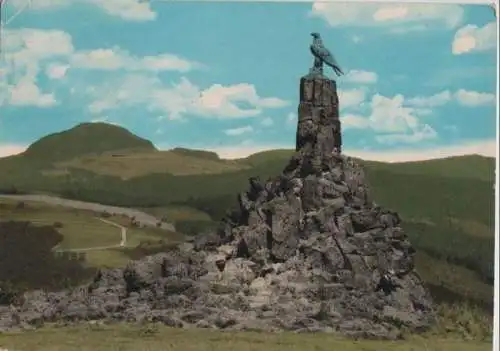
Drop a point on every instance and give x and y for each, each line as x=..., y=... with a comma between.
x=307, y=251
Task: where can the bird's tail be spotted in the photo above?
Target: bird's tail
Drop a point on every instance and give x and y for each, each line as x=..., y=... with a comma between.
x=338, y=71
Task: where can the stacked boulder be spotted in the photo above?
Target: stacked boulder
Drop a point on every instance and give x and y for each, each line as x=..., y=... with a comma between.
x=306, y=251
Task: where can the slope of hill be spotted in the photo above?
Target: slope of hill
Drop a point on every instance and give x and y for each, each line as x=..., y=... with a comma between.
x=135, y=164
x=86, y=138
x=201, y=154
x=467, y=166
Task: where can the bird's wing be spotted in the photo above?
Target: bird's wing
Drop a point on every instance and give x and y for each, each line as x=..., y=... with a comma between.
x=324, y=54
x=327, y=57
x=321, y=51
x=330, y=60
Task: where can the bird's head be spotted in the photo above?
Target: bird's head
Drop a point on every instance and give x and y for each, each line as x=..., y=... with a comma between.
x=315, y=35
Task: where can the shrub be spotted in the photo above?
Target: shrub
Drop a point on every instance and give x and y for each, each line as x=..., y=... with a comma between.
x=195, y=227
x=464, y=320
x=57, y=225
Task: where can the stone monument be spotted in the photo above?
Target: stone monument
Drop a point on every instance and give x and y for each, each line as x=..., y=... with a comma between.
x=305, y=251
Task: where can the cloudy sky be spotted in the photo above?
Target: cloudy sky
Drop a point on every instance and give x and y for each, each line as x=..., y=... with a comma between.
x=420, y=82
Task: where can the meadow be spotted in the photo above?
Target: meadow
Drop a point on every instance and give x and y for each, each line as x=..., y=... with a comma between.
x=85, y=231
x=97, y=337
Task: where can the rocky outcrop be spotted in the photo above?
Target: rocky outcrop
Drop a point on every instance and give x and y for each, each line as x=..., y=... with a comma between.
x=306, y=251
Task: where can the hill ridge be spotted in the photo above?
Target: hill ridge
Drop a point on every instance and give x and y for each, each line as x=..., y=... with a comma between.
x=86, y=138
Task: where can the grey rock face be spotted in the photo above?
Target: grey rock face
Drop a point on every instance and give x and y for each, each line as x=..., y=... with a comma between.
x=307, y=251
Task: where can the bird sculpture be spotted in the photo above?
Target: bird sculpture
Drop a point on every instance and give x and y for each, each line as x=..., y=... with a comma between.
x=322, y=55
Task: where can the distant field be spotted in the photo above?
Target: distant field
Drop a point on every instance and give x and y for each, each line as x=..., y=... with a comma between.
x=159, y=338
x=83, y=229
x=130, y=165
x=80, y=229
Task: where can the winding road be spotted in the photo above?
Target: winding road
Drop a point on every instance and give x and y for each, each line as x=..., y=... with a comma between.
x=140, y=217
x=123, y=230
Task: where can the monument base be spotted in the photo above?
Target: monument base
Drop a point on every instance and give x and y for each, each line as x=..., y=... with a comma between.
x=318, y=126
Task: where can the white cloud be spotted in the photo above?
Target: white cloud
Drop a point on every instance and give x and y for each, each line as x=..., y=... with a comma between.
x=27, y=93
x=56, y=71
x=480, y=147
x=168, y=62
x=131, y=10
x=390, y=114
x=27, y=50
x=438, y=99
x=362, y=77
x=414, y=136
x=106, y=59
x=369, y=14
x=472, y=38
x=11, y=149
x=351, y=97
x=116, y=58
x=392, y=119
x=24, y=51
x=238, y=131
x=352, y=121
x=267, y=122
x=474, y=98
x=218, y=95
x=217, y=101
x=28, y=44
x=390, y=13
x=468, y=98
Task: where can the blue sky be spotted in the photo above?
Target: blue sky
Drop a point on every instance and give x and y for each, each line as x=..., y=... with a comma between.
x=420, y=82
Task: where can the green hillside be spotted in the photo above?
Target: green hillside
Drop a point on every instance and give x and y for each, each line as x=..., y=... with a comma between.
x=467, y=166
x=202, y=154
x=86, y=138
x=268, y=157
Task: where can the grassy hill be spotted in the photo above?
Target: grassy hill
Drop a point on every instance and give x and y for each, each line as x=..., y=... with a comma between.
x=447, y=204
x=467, y=166
x=86, y=138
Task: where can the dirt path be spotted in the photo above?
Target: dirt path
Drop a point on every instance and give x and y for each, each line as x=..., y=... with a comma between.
x=123, y=230
x=140, y=217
